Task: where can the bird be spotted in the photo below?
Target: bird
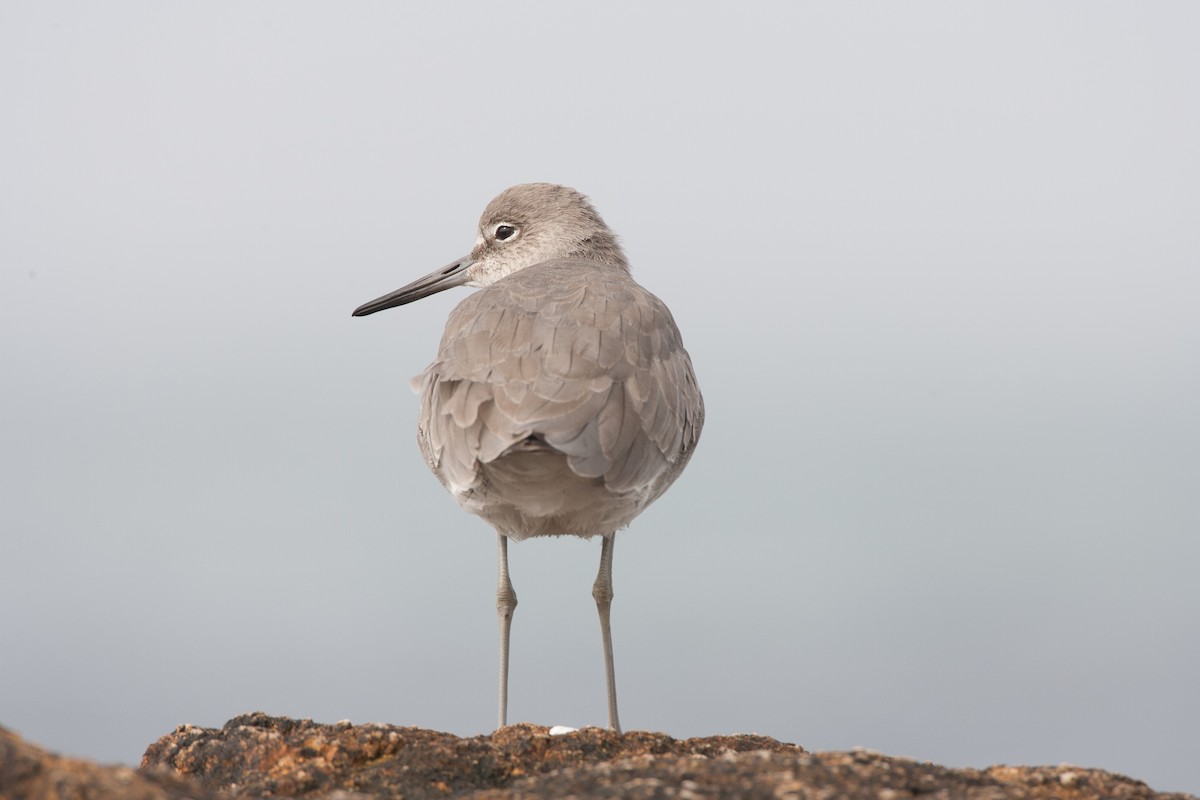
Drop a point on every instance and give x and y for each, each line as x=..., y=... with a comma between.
x=561, y=400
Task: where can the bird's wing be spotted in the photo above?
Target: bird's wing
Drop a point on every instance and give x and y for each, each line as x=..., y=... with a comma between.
x=580, y=357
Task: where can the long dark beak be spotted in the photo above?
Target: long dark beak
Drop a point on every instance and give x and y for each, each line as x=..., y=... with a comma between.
x=447, y=277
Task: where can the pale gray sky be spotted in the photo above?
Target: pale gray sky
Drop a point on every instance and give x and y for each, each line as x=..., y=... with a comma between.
x=937, y=265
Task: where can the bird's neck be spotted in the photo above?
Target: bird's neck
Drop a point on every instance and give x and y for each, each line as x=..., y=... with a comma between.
x=603, y=247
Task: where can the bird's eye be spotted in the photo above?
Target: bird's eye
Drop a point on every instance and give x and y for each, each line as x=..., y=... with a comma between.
x=505, y=232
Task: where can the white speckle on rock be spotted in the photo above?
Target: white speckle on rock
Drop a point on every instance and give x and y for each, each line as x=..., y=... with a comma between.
x=559, y=730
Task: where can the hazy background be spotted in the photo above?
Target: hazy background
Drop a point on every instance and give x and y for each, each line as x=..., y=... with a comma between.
x=937, y=264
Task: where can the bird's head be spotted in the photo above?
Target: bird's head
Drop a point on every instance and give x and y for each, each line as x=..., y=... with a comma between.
x=524, y=225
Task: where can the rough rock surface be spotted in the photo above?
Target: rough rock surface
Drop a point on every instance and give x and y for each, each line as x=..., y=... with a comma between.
x=27, y=772
x=256, y=756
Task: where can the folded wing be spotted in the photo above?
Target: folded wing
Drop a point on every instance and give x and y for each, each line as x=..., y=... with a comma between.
x=567, y=355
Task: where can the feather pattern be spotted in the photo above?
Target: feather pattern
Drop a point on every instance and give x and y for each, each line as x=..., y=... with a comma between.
x=561, y=401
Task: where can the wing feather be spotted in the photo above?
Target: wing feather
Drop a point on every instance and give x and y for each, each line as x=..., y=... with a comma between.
x=581, y=357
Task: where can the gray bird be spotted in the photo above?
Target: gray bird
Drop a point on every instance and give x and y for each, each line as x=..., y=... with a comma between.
x=561, y=400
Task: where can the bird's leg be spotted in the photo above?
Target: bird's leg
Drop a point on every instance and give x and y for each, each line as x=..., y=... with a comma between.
x=603, y=592
x=506, y=602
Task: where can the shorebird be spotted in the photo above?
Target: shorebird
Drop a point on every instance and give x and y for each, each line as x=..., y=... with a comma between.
x=561, y=400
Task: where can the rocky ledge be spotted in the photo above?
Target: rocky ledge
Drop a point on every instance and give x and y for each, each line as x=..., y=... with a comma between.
x=255, y=755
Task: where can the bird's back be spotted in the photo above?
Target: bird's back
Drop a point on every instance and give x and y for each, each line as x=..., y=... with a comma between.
x=561, y=401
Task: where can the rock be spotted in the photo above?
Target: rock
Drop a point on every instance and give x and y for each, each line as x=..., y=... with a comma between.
x=255, y=755
x=28, y=772
x=259, y=756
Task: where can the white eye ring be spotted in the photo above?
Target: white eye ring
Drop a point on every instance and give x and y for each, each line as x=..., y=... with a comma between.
x=504, y=232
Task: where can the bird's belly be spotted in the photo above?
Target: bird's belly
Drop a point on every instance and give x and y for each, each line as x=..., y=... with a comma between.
x=529, y=493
